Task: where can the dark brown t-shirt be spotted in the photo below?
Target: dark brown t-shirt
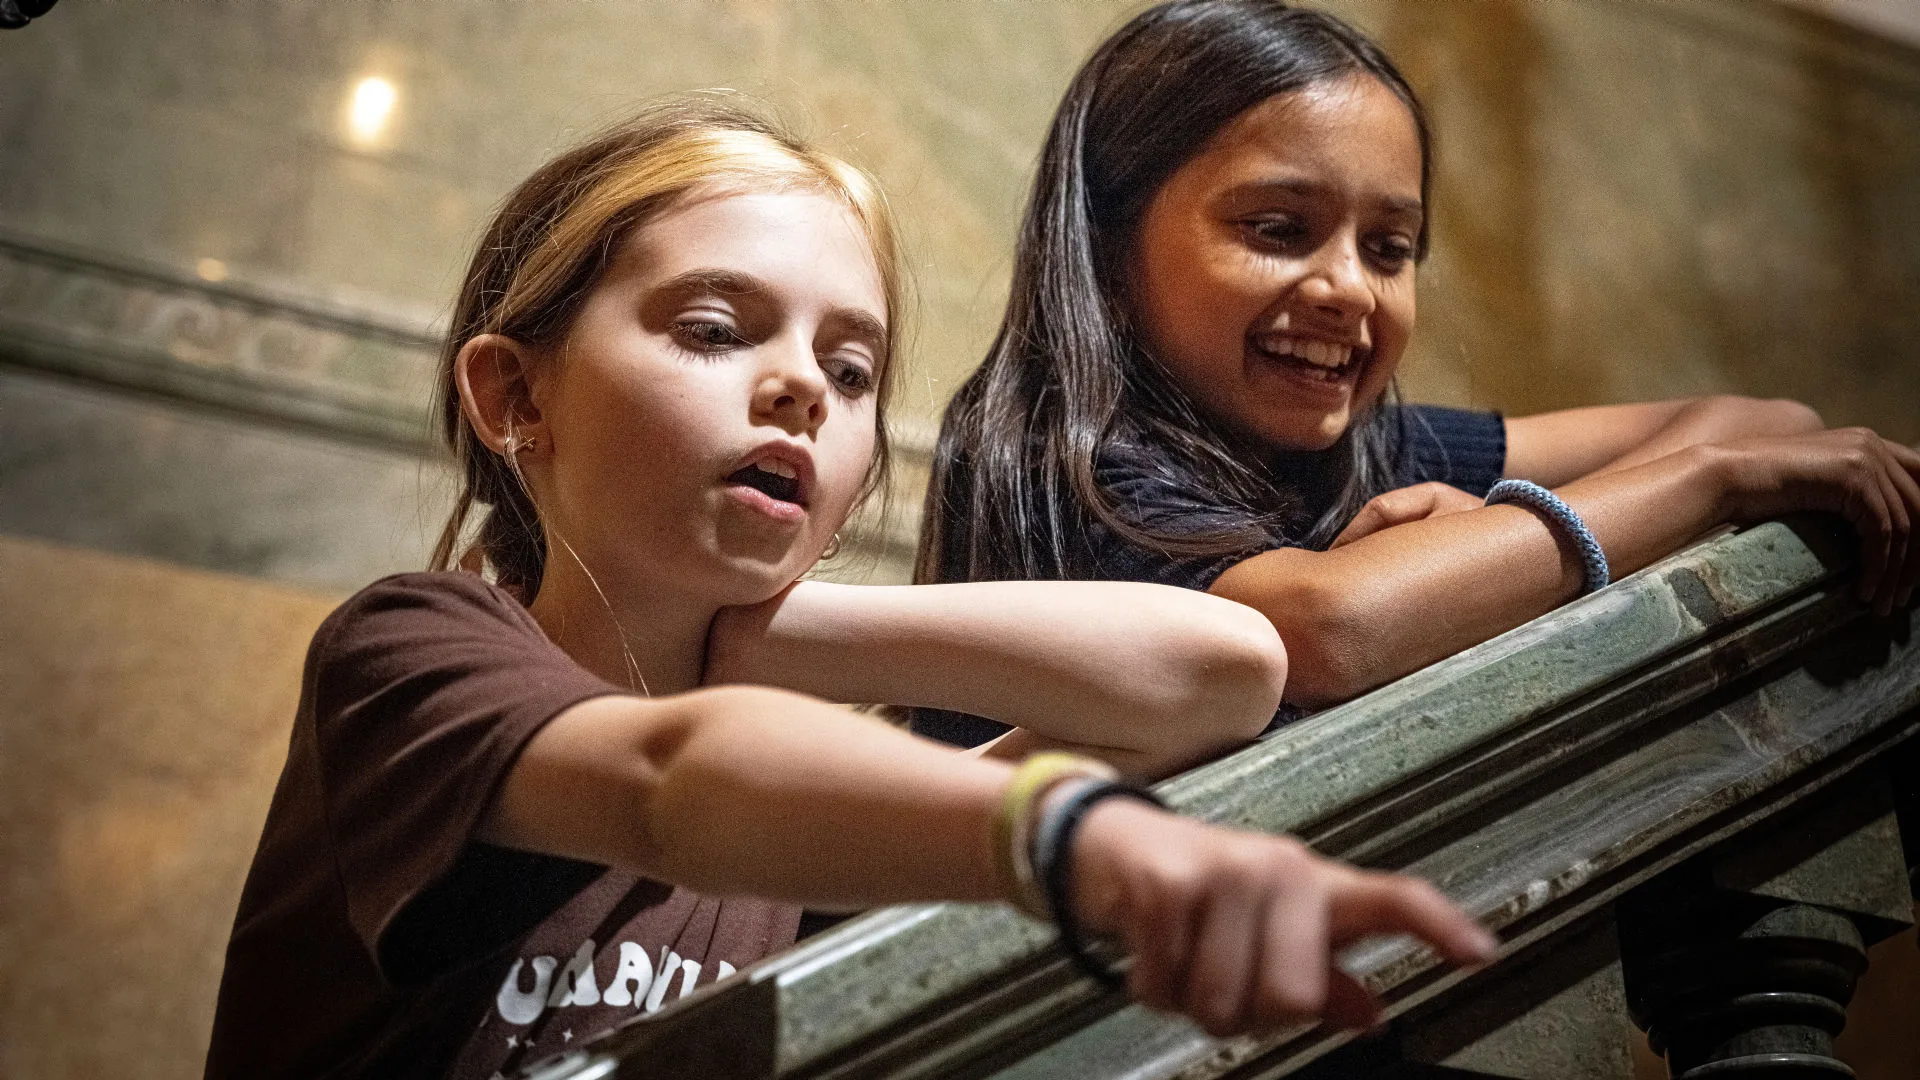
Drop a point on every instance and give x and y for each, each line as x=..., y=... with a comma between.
x=375, y=936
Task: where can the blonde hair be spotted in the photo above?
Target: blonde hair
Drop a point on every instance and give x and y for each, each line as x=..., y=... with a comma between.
x=548, y=245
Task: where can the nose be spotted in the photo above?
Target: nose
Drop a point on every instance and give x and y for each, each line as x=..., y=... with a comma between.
x=1336, y=282
x=790, y=390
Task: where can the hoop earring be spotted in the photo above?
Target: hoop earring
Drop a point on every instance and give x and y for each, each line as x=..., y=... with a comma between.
x=832, y=548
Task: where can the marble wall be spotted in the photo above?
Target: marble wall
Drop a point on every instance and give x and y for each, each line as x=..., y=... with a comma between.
x=146, y=719
x=219, y=292
x=219, y=139
x=1634, y=199
x=1643, y=200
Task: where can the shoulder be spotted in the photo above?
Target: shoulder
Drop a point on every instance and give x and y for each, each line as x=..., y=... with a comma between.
x=1446, y=424
x=1129, y=462
x=422, y=600
x=1463, y=447
x=433, y=589
x=409, y=623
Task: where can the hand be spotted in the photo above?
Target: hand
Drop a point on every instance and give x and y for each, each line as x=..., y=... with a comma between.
x=1402, y=505
x=1872, y=482
x=1238, y=930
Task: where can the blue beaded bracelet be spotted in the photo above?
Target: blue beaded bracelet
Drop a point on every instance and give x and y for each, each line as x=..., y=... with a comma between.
x=1561, y=516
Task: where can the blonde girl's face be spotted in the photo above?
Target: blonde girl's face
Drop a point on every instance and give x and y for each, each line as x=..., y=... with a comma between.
x=712, y=413
x=1273, y=273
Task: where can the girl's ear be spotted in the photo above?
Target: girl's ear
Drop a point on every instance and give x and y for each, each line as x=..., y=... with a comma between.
x=495, y=377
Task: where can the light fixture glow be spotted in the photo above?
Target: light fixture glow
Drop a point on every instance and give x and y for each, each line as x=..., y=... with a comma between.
x=211, y=270
x=370, y=108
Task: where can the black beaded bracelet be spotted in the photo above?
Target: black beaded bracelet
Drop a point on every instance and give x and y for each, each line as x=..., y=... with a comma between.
x=1053, y=861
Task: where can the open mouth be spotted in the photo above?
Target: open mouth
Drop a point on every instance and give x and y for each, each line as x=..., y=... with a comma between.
x=776, y=480
x=1321, y=361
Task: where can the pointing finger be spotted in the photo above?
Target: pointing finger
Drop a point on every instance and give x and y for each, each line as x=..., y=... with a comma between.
x=1373, y=903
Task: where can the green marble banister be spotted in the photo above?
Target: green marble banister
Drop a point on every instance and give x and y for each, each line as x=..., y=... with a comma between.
x=1625, y=730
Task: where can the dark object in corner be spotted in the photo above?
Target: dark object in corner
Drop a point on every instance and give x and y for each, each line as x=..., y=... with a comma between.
x=17, y=13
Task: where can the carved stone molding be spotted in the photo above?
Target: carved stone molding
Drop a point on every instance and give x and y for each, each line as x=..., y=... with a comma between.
x=156, y=330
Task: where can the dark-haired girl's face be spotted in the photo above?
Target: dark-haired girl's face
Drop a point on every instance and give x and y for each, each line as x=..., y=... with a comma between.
x=1273, y=273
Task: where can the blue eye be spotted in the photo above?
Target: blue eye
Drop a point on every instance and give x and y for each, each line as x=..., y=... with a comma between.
x=849, y=377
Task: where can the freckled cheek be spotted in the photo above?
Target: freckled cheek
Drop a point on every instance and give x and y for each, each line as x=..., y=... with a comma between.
x=1193, y=294
x=1237, y=285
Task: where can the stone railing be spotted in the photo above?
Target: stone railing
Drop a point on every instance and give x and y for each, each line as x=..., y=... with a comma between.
x=1674, y=799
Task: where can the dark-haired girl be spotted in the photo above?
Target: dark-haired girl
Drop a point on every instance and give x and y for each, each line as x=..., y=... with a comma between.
x=1193, y=382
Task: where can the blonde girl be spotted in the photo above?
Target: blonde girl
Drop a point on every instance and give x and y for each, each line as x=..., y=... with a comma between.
x=523, y=806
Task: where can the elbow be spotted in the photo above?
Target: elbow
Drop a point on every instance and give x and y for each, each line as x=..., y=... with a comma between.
x=1245, y=678
x=1233, y=679
x=1329, y=658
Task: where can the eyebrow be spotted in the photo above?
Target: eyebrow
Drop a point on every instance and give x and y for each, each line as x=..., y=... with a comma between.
x=853, y=321
x=1394, y=203
x=724, y=282
x=864, y=327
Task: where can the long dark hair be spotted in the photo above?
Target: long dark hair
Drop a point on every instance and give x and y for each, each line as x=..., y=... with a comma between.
x=1013, y=490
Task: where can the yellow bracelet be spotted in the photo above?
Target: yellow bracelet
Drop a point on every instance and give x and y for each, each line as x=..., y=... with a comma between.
x=1012, y=829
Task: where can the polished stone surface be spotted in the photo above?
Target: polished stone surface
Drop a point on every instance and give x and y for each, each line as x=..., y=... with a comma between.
x=1563, y=1017
x=81, y=465
x=1845, y=856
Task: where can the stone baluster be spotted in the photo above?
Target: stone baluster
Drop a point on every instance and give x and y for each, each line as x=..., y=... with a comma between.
x=1741, y=963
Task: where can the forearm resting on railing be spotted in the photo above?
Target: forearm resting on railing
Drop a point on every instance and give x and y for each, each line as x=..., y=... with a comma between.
x=1368, y=612
x=1168, y=675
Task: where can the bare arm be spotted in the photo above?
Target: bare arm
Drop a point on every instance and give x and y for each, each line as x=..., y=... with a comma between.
x=1149, y=677
x=745, y=790
x=1559, y=447
x=1388, y=603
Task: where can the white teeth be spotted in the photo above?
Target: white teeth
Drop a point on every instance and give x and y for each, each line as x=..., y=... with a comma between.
x=1323, y=354
x=777, y=468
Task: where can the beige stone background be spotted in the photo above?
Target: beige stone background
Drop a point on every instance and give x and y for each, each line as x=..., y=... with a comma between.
x=215, y=302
